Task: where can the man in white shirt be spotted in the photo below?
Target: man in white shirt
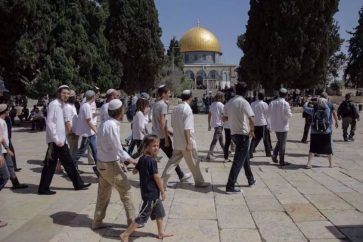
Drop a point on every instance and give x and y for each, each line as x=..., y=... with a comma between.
x=215, y=121
x=182, y=121
x=110, y=95
x=70, y=120
x=260, y=109
x=86, y=127
x=279, y=112
x=241, y=120
x=111, y=166
x=57, y=146
x=160, y=127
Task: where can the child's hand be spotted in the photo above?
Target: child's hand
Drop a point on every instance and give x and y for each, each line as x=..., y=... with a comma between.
x=163, y=196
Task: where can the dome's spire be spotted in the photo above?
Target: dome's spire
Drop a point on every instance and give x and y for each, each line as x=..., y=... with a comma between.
x=198, y=22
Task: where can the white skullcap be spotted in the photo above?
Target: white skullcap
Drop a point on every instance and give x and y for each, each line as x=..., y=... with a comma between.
x=114, y=104
x=283, y=90
x=161, y=86
x=89, y=94
x=72, y=93
x=3, y=107
x=110, y=91
x=186, y=92
x=63, y=86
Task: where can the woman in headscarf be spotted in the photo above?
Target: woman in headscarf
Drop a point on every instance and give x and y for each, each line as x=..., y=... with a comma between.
x=321, y=130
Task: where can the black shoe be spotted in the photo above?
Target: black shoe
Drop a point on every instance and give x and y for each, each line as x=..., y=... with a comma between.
x=284, y=164
x=274, y=159
x=17, y=169
x=346, y=139
x=48, y=192
x=233, y=190
x=351, y=138
x=83, y=187
x=304, y=141
x=268, y=155
x=252, y=183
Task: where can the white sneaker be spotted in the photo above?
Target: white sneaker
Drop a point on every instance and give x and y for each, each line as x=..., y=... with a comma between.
x=186, y=177
x=227, y=160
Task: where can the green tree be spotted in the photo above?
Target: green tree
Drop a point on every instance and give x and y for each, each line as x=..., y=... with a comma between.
x=288, y=42
x=134, y=35
x=173, y=53
x=354, y=70
x=46, y=43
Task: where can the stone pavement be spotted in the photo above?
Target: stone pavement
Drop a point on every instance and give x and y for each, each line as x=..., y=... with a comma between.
x=292, y=204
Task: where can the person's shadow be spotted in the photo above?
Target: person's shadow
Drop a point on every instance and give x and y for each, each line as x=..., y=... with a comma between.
x=72, y=219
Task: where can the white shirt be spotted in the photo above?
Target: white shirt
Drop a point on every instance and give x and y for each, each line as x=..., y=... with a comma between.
x=104, y=113
x=70, y=115
x=56, y=131
x=238, y=110
x=279, y=113
x=182, y=119
x=260, y=109
x=83, y=128
x=4, y=134
x=93, y=111
x=138, y=126
x=109, y=147
x=216, y=110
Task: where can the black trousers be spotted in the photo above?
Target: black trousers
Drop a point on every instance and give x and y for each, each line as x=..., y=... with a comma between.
x=169, y=153
x=53, y=154
x=11, y=147
x=227, y=132
x=260, y=133
x=308, y=121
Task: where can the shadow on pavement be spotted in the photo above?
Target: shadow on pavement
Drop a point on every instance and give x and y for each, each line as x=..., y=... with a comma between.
x=293, y=141
x=35, y=162
x=353, y=232
x=297, y=155
x=112, y=231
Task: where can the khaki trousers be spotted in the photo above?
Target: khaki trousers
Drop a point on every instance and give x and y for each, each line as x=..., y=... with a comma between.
x=72, y=140
x=111, y=175
x=191, y=158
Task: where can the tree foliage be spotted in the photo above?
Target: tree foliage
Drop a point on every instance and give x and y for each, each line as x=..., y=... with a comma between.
x=134, y=34
x=48, y=42
x=288, y=42
x=354, y=70
x=173, y=53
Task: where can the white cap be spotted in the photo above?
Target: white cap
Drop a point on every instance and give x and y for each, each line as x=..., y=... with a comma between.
x=72, y=93
x=283, y=90
x=89, y=94
x=63, y=86
x=114, y=104
x=161, y=86
x=110, y=91
x=3, y=107
x=186, y=92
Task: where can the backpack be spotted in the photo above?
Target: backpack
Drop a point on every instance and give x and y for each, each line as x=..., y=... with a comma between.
x=320, y=121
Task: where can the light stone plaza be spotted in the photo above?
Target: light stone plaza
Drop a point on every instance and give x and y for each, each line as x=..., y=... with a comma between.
x=290, y=204
x=132, y=120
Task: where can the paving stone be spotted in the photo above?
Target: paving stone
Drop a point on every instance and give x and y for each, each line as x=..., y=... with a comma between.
x=301, y=212
x=328, y=201
x=348, y=218
x=234, y=216
x=238, y=235
x=319, y=230
x=193, y=209
x=263, y=203
x=192, y=230
x=277, y=226
x=353, y=198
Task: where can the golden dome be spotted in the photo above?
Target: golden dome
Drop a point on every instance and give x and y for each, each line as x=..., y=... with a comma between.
x=199, y=39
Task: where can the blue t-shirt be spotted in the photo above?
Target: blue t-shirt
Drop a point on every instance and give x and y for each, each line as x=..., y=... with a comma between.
x=147, y=167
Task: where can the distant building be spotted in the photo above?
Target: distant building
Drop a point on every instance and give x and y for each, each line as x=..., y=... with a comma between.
x=202, y=60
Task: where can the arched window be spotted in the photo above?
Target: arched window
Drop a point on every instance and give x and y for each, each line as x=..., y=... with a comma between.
x=213, y=75
x=189, y=75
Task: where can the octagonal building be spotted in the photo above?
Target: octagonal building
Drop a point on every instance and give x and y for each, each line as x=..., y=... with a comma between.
x=202, y=53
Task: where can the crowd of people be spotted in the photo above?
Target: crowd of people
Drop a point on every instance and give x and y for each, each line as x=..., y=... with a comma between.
x=230, y=114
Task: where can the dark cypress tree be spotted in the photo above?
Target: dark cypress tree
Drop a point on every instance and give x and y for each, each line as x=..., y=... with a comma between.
x=354, y=70
x=288, y=42
x=134, y=34
x=46, y=43
x=173, y=53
